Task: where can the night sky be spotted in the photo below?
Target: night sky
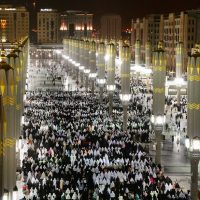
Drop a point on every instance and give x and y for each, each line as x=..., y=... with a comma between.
x=126, y=8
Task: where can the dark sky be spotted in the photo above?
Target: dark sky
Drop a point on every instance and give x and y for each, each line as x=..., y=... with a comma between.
x=126, y=8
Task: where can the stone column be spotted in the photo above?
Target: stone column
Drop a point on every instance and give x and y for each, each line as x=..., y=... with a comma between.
x=81, y=57
x=179, y=67
x=137, y=57
x=125, y=83
x=159, y=74
x=13, y=61
x=22, y=62
x=1, y=147
x=111, y=53
x=66, y=51
x=86, y=63
x=148, y=54
x=8, y=98
x=158, y=134
x=12, y=57
x=70, y=56
x=77, y=59
x=101, y=68
x=93, y=68
x=21, y=68
x=138, y=36
x=20, y=75
x=137, y=53
x=194, y=178
x=193, y=115
x=120, y=49
x=74, y=52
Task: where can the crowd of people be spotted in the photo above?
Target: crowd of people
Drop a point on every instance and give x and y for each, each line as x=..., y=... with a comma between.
x=46, y=74
x=75, y=150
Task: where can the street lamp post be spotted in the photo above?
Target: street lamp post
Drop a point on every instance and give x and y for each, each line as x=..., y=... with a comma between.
x=125, y=95
x=159, y=73
x=110, y=57
x=193, y=115
x=101, y=68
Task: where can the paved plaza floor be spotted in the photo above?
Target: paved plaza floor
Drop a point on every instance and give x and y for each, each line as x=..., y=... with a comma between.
x=176, y=162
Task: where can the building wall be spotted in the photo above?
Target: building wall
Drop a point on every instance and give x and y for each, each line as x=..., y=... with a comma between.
x=47, y=26
x=111, y=27
x=14, y=23
x=171, y=29
x=198, y=28
x=76, y=24
x=146, y=29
